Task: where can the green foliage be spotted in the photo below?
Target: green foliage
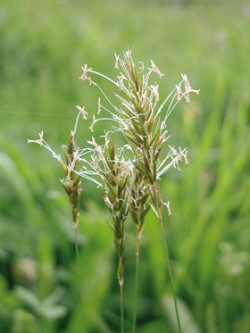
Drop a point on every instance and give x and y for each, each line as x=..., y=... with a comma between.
x=43, y=286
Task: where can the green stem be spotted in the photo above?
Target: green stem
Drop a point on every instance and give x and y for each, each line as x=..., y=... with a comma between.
x=136, y=279
x=167, y=259
x=120, y=276
x=122, y=308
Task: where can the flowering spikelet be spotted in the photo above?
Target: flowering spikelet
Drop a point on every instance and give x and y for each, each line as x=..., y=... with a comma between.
x=72, y=181
x=141, y=117
x=114, y=172
x=140, y=203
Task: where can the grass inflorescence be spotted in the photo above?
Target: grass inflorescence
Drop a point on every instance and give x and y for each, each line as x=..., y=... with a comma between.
x=130, y=174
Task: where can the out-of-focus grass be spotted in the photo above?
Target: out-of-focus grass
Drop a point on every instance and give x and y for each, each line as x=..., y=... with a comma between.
x=42, y=48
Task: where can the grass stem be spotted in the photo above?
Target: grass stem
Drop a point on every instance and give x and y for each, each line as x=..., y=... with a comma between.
x=122, y=308
x=136, y=280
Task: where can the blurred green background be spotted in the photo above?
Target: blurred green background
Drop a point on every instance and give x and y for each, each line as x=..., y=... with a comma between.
x=43, y=45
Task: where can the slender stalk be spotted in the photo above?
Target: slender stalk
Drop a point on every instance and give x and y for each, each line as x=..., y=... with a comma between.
x=120, y=276
x=136, y=279
x=168, y=264
x=122, y=308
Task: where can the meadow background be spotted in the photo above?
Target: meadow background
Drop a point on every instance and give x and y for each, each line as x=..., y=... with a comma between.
x=43, y=45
